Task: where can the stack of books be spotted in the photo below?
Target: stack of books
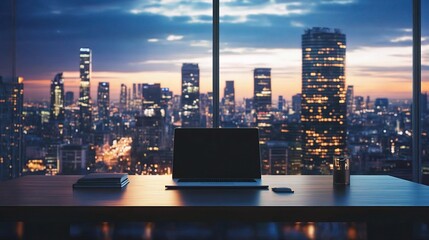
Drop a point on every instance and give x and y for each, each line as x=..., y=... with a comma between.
x=102, y=180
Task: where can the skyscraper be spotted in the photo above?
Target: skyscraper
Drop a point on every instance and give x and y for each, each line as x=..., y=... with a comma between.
x=280, y=103
x=134, y=91
x=262, y=89
x=123, y=98
x=190, y=103
x=69, y=98
x=323, y=110
x=139, y=90
x=151, y=94
x=350, y=100
x=368, y=103
x=56, y=113
x=381, y=105
x=262, y=102
x=228, y=103
x=103, y=103
x=359, y=103
x=11, y=128
x=166, y=100
x=56, y=124
x=296, y=103
x=150, y=131
x=206, y=110
x=248, y=105
x=278, y=155
x=85, y=118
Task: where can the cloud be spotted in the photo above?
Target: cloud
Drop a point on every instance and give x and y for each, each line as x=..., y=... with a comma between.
x=205, y=61
x=239, y=14
x=401, y=39
x=341, y=2
x=153, y=40
x=174, y=37
x=231, y=11
x=409, y=30
x=200, y=43
x=372, y=57
x=174, y=8
x=405, y=39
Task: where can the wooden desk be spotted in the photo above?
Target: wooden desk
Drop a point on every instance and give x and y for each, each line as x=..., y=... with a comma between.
x=368, y=198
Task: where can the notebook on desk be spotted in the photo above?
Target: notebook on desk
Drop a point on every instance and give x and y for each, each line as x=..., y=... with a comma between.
x=216, y=158
x=102, y=180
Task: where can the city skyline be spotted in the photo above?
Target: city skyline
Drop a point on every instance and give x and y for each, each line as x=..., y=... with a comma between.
x=301, y=141
x=127, y=49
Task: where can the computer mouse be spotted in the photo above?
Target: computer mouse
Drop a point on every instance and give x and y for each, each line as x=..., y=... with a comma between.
x=282, y=190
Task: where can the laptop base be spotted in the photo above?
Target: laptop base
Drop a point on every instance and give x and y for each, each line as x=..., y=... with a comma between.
x=177, y=187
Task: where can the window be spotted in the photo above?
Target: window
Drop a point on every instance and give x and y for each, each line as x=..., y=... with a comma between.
x=310, y=75
x=122, y=76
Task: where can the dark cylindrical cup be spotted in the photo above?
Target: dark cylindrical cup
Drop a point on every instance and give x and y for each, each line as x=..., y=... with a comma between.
x=341, y=170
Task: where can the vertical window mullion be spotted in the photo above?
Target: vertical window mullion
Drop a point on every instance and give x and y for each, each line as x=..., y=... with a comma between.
x=416, y=137
x=215, y=66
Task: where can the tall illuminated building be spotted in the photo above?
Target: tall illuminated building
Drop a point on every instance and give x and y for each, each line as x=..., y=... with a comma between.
x=262, y=102
x=350, y=100
x=151, y=94
x=151, y=124
x=206, y=110
x=123, y=98
x=56, y=124
x=262, y=89
x=323, y=107
x=103, y=103
x=85, y=109
x=190, y=102
x=228, y=103
x=134, y=91
x=56, y=111
x=11, y=128
x=166, y=100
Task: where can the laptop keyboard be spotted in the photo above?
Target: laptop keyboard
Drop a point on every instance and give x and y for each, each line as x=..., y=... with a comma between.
x=216, y=180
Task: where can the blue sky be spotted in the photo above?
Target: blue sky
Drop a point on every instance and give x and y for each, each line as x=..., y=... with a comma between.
x=147, y=40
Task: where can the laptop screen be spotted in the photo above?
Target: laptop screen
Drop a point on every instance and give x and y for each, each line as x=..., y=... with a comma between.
x=216, y=153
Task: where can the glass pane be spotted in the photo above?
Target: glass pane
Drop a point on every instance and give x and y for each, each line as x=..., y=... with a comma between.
x=313, y=77
x=10, y=103
x=425, y=91
x=106, y=83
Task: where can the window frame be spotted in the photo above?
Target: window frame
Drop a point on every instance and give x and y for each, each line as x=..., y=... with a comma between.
x=416, y=120
x=416, y=115
x=416, y=82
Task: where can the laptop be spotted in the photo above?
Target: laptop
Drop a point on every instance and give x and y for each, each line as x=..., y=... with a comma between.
x=216, y=158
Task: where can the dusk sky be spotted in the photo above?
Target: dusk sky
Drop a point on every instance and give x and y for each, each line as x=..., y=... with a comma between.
x=146, y=41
